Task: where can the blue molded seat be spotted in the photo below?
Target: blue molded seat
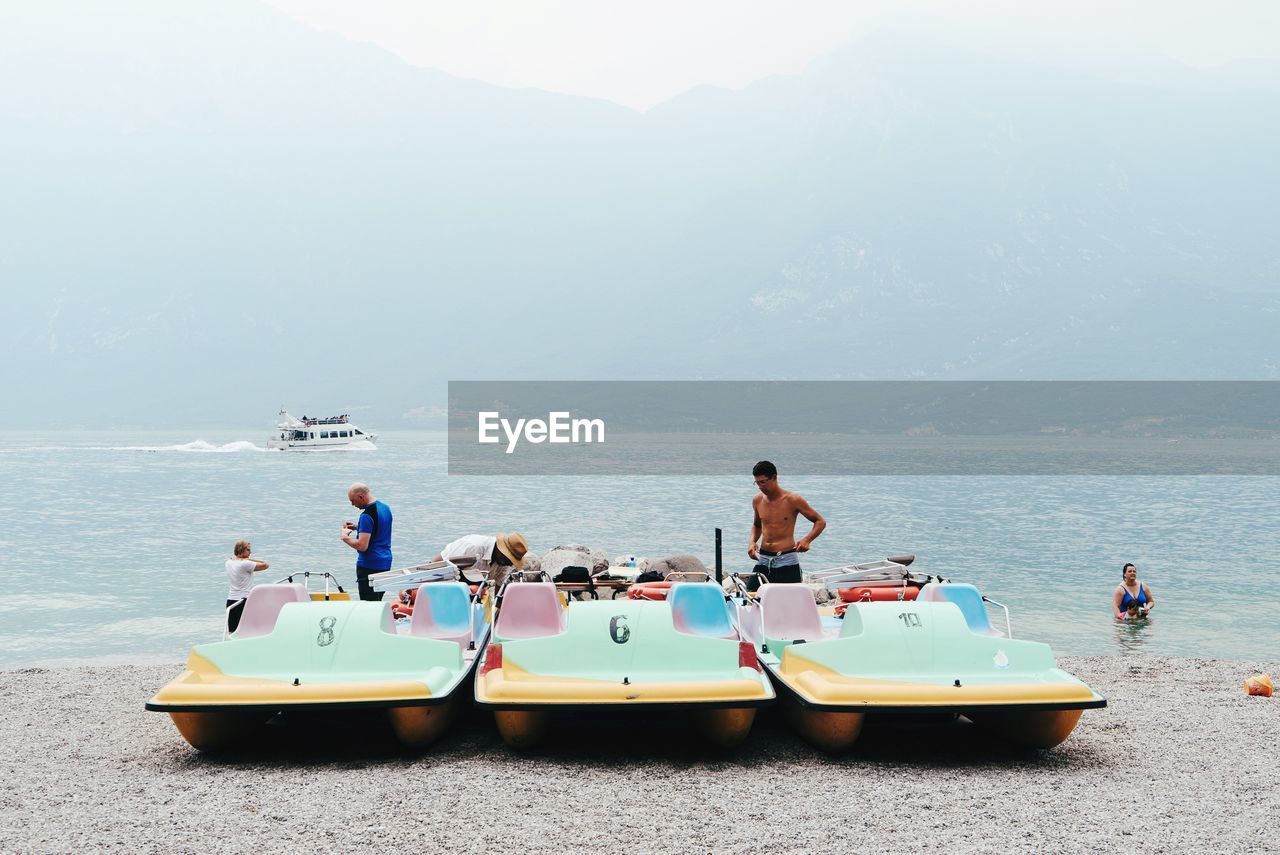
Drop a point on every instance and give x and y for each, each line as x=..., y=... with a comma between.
x=699, y=608
x=967, y=599
x=442, y=610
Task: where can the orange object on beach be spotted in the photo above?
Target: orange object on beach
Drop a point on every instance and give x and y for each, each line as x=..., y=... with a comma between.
x=648, y=591
x=1258, y=684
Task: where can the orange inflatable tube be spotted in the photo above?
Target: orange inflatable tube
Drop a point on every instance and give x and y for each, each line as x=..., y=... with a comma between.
x=878, y=593
x=648, y=591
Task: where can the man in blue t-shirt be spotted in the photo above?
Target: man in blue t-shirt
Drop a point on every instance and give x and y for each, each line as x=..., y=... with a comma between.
x=370, y=538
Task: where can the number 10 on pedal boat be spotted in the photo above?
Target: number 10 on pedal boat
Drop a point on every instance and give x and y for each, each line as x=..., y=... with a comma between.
x=936, y=654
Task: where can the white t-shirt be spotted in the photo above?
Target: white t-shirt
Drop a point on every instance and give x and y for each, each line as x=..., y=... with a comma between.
x=477, y=546
x=240, y=575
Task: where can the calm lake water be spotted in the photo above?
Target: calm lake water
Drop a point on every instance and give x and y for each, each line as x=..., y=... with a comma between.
x=116, y=541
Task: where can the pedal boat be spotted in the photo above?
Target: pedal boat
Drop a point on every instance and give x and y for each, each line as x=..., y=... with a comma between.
x=936, y=654
x=684, y=653
x=295, y=650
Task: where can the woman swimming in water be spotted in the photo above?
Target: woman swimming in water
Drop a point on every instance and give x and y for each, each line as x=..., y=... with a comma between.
x=1132, y=599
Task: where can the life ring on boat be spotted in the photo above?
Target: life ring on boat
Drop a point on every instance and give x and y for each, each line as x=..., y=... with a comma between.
x=648, y=591
x=878, y=593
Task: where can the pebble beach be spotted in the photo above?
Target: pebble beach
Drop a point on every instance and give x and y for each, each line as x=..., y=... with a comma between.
x=1180, y=760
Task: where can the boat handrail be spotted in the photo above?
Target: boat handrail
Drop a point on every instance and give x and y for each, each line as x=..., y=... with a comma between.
x=742, y=588
x=1008, y=627
x=306, y=580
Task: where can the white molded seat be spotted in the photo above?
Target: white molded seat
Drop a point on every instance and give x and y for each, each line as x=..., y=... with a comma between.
x=790, y=613
x=530, y=610
x=263, y=607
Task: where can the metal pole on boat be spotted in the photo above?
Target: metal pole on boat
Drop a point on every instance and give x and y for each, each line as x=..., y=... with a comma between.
x=719, y=571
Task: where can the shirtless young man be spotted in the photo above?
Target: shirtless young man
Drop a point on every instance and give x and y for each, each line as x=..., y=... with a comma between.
x=773, y=530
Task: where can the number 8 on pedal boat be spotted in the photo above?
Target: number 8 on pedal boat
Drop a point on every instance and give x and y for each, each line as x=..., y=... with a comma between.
x=299, y=650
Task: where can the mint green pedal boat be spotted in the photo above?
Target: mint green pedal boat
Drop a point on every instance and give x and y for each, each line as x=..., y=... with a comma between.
x=937, y=653
x=684, y=653
x=295, y=650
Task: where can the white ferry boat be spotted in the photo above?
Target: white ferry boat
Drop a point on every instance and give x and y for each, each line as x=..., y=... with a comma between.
x=310, y=432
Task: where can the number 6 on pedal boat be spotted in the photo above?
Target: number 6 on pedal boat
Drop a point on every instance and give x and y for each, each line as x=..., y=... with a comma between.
x=550, y=656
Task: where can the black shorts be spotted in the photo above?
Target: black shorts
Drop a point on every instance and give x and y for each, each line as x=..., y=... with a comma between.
x=778, y=575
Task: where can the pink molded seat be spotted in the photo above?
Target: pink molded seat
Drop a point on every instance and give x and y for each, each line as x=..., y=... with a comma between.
x=530, y=610
x=790, y=614
x=442, y=610
x=264, y=605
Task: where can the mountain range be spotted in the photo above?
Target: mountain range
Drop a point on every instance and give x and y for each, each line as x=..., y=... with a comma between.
x=211, y=210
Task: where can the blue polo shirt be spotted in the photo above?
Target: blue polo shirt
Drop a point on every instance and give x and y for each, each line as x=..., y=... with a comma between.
x=376, y=520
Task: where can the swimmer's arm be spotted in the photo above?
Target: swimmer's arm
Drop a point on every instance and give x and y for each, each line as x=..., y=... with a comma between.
x=1151, y=600
x=819, y=524
x=1115, y=604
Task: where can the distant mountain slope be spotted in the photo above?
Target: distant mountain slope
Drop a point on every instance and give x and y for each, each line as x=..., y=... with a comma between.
x=210, y=209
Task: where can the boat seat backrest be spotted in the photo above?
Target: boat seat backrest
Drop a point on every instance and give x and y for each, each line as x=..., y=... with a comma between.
x=699, y=608
x=442, y=610
x=263, y=607
x=790, y=613
x=530, y=610
x=967, y=598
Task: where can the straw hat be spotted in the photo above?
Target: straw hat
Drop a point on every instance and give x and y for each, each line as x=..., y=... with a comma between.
x=514, y=546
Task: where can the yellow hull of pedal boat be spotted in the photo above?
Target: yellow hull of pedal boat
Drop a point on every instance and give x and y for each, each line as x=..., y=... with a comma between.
x=327, y=656
x=932, y=655
x=682, y=654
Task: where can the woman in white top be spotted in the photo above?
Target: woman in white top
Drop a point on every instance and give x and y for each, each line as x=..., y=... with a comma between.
x=240, y=572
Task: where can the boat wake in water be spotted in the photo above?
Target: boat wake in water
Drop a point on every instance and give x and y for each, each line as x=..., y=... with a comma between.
x=198, y=445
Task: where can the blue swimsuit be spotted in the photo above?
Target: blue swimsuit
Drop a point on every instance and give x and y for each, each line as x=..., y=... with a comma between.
x=1128, y=599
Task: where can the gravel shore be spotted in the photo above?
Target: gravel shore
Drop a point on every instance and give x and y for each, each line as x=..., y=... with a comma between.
x=1180, y=760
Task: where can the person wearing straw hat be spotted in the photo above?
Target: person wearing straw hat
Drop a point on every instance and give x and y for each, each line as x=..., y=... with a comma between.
x=491, y=555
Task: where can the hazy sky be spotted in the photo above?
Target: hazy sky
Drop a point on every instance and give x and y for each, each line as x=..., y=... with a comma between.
x=640, y=54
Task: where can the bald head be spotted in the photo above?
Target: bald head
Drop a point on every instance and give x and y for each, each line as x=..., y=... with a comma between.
x=358, y=494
